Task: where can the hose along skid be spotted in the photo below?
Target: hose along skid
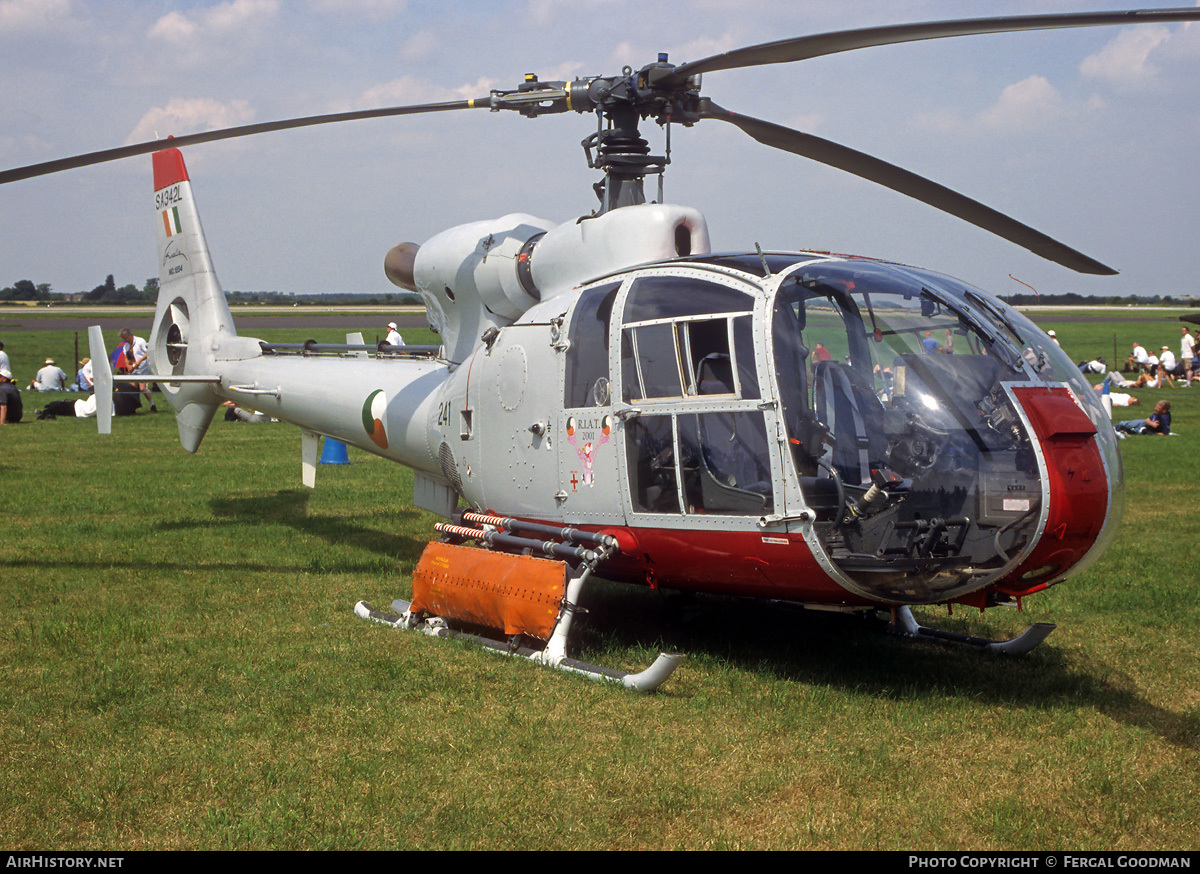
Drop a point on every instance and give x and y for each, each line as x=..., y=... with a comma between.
x=516, y=584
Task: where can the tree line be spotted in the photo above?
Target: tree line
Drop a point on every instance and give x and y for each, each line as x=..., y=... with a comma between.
x=108, y=293
x=1073, y=299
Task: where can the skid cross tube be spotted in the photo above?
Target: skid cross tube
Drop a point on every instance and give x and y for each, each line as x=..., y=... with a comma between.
x=571, y=535
x=510, y=541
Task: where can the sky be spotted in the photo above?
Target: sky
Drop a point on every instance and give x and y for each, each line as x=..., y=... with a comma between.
x=1089, y=135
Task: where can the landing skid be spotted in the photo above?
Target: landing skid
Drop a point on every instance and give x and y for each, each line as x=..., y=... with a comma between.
x=904, y=624
x=521, y=587
x=645, y=681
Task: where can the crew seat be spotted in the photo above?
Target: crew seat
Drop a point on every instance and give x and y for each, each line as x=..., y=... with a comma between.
x=845, y=402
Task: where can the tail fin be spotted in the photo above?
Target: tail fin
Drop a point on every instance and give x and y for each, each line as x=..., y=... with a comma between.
x=191, y=309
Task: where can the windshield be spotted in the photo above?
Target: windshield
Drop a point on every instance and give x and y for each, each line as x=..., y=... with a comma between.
x=909, y=445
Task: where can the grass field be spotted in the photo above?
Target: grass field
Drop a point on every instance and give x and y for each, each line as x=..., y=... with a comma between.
x=182, y=669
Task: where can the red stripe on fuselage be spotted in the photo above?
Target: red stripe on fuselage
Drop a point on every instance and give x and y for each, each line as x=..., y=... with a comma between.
x=740, y=563
x=168, y=168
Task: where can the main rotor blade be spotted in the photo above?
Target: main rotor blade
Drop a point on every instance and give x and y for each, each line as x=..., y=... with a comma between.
x=228, y=133
x=804, y=47
x=905, y=182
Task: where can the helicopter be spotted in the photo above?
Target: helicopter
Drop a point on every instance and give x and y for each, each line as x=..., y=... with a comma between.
x=611, y=398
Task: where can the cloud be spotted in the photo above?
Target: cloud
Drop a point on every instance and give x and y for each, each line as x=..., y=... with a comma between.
x=23, y=144
x=1024, y=105
x=212, y=37
x=174, y=27
x=374, y=9
x=423, y=44
x=189, y=115
x=541, y=13
x=1125, y=62
x=24, y=15
x=400, y=92
x=1033, y=103
x=219, y=21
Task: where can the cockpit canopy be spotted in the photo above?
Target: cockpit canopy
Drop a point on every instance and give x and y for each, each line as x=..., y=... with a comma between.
x=896, y=392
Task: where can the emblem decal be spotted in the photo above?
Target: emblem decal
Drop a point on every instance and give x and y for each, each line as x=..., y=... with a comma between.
x=372, y=417
x=588, y=435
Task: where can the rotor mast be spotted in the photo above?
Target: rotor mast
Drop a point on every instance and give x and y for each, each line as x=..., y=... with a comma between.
x=617, y=147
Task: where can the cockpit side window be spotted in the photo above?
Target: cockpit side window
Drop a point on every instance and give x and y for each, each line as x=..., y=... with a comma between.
x=683, y=337
x=650, y=450
x=650, y=362
x=586, y=383
x=725, y=459
x=664, y=297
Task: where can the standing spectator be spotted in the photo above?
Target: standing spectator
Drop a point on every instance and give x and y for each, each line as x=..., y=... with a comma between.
x=393, y=335
x=4, y=359
x=11, y=408
x=1053, y=336
x=1187, y=352
x=139, y=352
x=49, y=378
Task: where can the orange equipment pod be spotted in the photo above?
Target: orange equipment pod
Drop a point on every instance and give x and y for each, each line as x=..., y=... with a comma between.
x=517, y=594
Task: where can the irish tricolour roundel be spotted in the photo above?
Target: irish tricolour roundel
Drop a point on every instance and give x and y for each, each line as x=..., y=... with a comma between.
x=373, y=412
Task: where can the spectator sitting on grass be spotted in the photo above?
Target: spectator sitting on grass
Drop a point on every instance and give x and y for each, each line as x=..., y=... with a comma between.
x=49, y=378
x=1159, y=422
x=234, y=413
x=1119, y=399
x=83, y=377
x=1159, y=380
x=84, y=409
x=1137, y=358
x=11, y=407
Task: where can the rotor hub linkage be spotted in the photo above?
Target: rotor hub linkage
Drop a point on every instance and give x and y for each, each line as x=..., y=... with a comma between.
x=619, y=102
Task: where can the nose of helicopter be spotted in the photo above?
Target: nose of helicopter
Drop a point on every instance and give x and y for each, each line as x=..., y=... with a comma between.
x=1080, y=490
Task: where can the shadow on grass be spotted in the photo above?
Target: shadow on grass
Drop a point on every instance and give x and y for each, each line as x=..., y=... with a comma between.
x=101, y=565
x=290, y=507
x=852, y=653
